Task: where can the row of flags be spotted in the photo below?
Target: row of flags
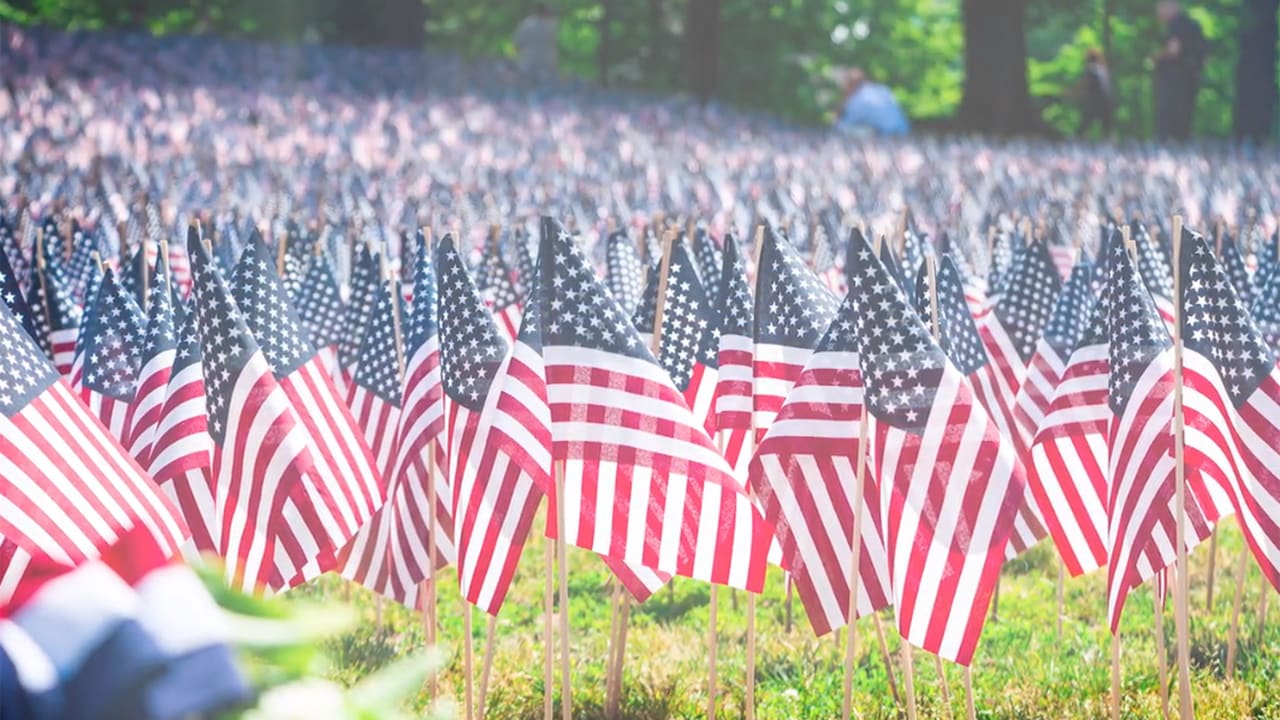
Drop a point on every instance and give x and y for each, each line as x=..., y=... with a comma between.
x=684, y=424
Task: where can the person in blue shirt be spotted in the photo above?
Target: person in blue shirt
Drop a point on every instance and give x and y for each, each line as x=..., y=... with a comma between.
x=870, y=107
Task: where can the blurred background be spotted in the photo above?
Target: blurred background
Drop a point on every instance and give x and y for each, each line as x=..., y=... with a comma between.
x=990, y=66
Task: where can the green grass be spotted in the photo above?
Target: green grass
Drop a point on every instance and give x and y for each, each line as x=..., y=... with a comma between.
x=1022, y=669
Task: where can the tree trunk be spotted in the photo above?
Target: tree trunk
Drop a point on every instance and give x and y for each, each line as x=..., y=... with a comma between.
x=382, y=22
x=604, y=50
x=996, y=98
x=1255, y=99
x=702, y=35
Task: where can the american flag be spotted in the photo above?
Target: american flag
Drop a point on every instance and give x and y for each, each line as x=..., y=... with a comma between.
x=12, y=249
x=69, y=489
x=1266, y=311
x=364, y=285
x=1155, y=270
x=390, y=554
x=643, y=483
x=320, y=308
x=57, y=317
x=374, y=392
x=892, y=266
x=1231, y=401
x=1237, y=271
x=12, y=296
x=179, y=270
x=735, y=311
x=804, y=477
x=708, y=258
x=159, y=346
x=499, y=293
x=106, y=367
x=132, y=276
x=689, y=335
x=260, y=454
x=526, y=258
x=624, y=272
x=793, y=309
x=949, y=485
x=344, y=487
x=1140, y=460
x=823, y=260
x=494, y=498
x=181, y=456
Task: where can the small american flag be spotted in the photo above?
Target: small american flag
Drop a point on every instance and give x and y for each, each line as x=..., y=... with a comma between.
x=260, y=453
x=708, y=258
x=494, y=499
x=13, y=298
x=642, y=482
x=111, y=354
x=364, y=285
x=793, y=309
x=499, y=293
x=159, y=346
x=1154, y=269
x=69, y=489
x=344, y=488
x=1237, y=270
x=949, y=486
x=1266, y=311
x=624, y=272
x=374, y=392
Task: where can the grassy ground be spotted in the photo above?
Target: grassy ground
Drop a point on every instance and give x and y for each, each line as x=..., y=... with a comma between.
x=1022, y=670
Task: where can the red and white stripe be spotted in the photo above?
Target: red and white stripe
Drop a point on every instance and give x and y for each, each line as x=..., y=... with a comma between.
x=804, y=477
x=774, y=371
x=734, y=382
x=642, y=481
x=946, y=522
x=182, y=454
x=508, y=321
x=63, y=342
x=148, y=404
x=179, y=269
x=379, y=420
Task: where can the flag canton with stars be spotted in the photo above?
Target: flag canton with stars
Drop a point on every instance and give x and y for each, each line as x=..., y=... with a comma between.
x=378, y=370
x=957, y=334
x=1027, y=299
x=793, y=307
x=226, y=343
x=160, y=333
x=526, y=262
x=471, y=350
x=113, y=342
x=901, y=365
x=364, y=285
x=708, y=258
x=624, y=271
x=734, y=307
x=11, y=294
x=576, y=310
x=420, y=325
x=267, y=311
x=1153, y=266
x=1136, y=332
x=1234, y=265
x=320, y=303
x=496, y=285
x=1071, y=312
x=1216, y=325
x=1266, y=310
x=686, y=319
x=24, y=370
x=187, y=330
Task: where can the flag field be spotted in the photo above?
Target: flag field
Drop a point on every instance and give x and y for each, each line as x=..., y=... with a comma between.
x=1021, y=669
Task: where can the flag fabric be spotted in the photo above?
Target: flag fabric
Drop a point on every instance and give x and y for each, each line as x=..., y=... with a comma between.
x=1141, y=514
x=364, y=284
x=1231, y=401
x=624, y=272
x=494, y=498
x=804, y=478
x=107, y=366
x=1154, y=269
x=159, y=348
x=14, y=299
x=374, y=392
x=181, y=456
x=642, y=481
x=689, y=340
x=179, y=270
x=708, y=258
x=68, y=490
x=499, y=293
x=1237, y=271
x=319, y=304
x=792, y=310
x=1266, y=312
x=57, y=316
x=949, y=486
x=260, y=453
x=344, y=487
x=391, y=554
x=735, y=313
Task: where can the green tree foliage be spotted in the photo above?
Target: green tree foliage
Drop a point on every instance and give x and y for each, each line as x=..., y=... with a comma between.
x=777, y=56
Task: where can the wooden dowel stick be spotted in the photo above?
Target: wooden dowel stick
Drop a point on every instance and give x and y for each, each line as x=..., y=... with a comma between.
x=908, y=677
x=888, y=659
x=1181, y=620
x=489, y=629
x=787, y=607
x=566, y=694
x=282, y=250
x=942, y=685
x=1162, y=658
x=624, y=621
x=468, y=661
x=1242, y=571
x=750, y=709
x=712, y=642
x=429, y=602
x=548, y=630
x=970, y=711
x=1062, y=572
x=1262, y=608
x=1115, y=676
x=855, y=558
x=615, y=612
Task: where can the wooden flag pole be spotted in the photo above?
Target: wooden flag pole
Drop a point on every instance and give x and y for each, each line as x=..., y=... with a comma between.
x=145, y=280
x=1242, y=571
x=282, y=249
x=1061, y=605
x=566, y=694
x=1181, y=622
x=1162, y=658
x=548, y=629
x=936, y=330
x=615, y=613
x=908, y=677
x=489, y=630
x=1262, y=607
x=1115, y=675
x=712, y=642
x=888, y=659
x=969, y=710
x=468, y=660
x=750, y=710
x=855, y=557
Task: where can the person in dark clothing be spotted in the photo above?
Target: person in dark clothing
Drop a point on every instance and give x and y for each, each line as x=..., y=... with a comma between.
x=1177, y=72
x=1097, y=95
